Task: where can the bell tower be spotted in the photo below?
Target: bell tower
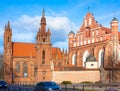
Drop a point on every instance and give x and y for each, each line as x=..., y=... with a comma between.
x=43, y=48
x=8, y=53
x=114, y=38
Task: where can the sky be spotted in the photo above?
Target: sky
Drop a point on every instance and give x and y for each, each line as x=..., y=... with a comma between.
x=62, y=16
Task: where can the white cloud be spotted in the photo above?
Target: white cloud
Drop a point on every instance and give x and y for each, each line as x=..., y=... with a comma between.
x=25, y=37
x=26, y=23
x=61, y=44
x=26, y=27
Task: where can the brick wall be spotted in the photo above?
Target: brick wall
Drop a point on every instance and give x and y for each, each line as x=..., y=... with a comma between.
x=76, y=76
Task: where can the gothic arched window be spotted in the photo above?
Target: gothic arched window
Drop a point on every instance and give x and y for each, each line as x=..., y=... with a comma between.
x=25, y=70
x=43, y=39
x=101, y=58
x=43, y=56
x=74, y=59
x=17, y=67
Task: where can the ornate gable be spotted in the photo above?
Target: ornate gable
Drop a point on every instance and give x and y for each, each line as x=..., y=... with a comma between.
x=89, y=21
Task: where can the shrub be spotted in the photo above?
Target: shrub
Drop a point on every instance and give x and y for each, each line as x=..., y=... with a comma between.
x=66, y=82
x=86, y=82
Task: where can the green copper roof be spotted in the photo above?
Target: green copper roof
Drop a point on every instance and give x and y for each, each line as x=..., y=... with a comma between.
x=114, y=19
x=71, y=32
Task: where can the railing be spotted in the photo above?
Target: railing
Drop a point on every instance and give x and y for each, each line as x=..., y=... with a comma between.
x=66, y=87
x=91, y=87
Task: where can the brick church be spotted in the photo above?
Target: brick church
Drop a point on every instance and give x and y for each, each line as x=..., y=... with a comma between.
x=31, y=62
x=93, y=48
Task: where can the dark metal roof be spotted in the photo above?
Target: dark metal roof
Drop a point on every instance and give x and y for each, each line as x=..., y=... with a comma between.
x=114, y=19
x=71, y=32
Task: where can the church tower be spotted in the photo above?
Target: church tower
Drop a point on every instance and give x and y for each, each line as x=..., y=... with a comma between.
x=114, y=29
x=114, y=38
x=8, y=53
x=71, y=37
x=43, y=48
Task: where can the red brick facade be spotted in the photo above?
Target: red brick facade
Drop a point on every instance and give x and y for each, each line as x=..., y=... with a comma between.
x=31, y=62
x=89, y=49
x=93, y=44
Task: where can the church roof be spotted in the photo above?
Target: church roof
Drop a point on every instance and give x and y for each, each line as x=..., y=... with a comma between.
x=107, y=30
x=71, y=32
x=114, y=19
x=29, y=50
x=56, y=53
x=24, y=49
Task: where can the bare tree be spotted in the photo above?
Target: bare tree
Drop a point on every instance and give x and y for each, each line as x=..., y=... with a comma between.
x=112, y=67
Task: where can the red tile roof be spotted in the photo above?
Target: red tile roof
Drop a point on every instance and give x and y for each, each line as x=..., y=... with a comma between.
x=29, y=50
x=23, y=49
x=56, y=53
x=107, y=30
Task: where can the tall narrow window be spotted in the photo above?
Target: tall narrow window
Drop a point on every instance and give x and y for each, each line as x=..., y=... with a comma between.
x=101, y=58
x=8, y=39
x=43, y=39
x=35, y=70
x=93, y=40
x=97, y=33
x=25, y=73
x=17, y=67
x=93, y=34
x=43, y=56
x=74, y=59
x=90, y=21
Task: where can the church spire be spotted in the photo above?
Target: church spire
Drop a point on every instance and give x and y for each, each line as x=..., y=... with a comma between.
x=43, y=21
x=43, y=13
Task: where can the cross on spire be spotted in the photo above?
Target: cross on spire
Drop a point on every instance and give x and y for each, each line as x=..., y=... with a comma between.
x=114, y=14
x=88, y=8
x=43, y=13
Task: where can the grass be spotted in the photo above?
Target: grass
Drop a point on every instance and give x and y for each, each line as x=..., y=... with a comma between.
x=90, y=90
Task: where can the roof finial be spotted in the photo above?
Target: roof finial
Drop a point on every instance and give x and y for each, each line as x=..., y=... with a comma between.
x=114, y=14
x=71, y=28
x=88, y=8
x=43, y=13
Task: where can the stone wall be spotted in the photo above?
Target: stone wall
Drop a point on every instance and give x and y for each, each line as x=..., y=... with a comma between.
x=76, y=76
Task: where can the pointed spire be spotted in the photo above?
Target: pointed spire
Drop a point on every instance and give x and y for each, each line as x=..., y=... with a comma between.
x=48, y=30
x=88, y=8
x=43, y=13
x=8, y=24
x=63, y=50
x=66, y=51
x=5, y=27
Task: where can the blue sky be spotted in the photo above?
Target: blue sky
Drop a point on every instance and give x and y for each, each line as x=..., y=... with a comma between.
x=61, y=15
